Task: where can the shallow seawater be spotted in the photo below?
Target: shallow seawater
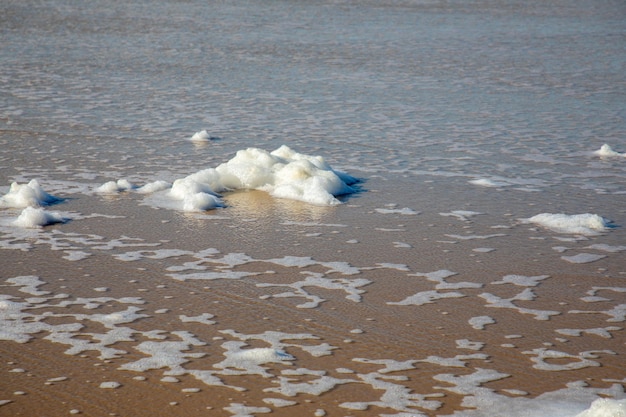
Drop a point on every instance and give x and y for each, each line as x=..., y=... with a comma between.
x=429, y=291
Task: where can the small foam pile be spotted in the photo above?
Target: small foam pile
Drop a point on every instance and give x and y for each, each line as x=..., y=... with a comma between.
x=34, y=217
x=27, y=195
x=32, y=198
x=583, y=224
x=285, y=173
x=201, y=136
x=606, y=151
x=282, y=173
x=112, y=187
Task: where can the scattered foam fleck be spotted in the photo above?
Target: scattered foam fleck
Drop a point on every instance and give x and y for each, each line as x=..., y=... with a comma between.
x=473, y=237
x=468, y=344
x=110, y=385
x=241, y=410
x=463, y=215
x=582, y=360
x=202, y=318
x=426, y=297
x=604, y=332
x=521, y=280
x=480, y=322
x=607, y=248
x=583, y=258
x=485, y=182
x=526, y=295
x=76, y=255
x=404, y=211
x=279, y=402
x=257, y=356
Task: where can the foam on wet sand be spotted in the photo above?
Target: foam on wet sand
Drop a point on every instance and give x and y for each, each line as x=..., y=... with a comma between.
x=585, y=224
x=212, y=344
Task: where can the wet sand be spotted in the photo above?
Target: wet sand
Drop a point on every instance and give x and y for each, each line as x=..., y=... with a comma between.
x=353, y=325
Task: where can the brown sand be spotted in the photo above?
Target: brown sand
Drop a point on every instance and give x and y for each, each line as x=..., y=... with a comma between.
x=265, y=228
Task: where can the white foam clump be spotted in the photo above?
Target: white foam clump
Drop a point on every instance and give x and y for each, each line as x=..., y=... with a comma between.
x=285, y=173
x=584, y=224
x=201, y=136
x=32, y=218
x=111, y=187
x=606, y=150
x=605, y=407
x=192, y=194
x=27, y=195
x=282, y=173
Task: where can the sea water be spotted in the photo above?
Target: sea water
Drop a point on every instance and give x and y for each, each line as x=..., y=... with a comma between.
x=407, y=208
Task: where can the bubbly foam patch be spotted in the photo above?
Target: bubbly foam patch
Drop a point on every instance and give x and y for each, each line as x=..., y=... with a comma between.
x=584, y=224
